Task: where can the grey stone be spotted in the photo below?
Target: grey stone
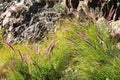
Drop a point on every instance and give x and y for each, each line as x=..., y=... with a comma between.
x=24, y=22
x=113, y=28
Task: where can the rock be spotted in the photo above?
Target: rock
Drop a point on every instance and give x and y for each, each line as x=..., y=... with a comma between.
x=113, y=28
x=24, y=21
x=34, y=32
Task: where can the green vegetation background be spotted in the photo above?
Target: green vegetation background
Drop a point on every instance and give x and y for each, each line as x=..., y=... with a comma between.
x=79, y=52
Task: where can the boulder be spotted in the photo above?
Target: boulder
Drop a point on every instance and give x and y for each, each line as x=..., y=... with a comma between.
x=27, y=21
x=113, y=28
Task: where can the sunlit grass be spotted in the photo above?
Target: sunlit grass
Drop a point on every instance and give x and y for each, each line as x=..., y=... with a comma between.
x=75, y=51
x=98, y=57
x=34, y=60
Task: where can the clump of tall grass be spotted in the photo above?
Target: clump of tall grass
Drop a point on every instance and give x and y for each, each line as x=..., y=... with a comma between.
x=74, y=52
x=42, y=61
x=98, y=57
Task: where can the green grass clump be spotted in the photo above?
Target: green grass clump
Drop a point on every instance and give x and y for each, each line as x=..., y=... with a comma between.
x=75, y=51
x=39, y=61
x=98, y=57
